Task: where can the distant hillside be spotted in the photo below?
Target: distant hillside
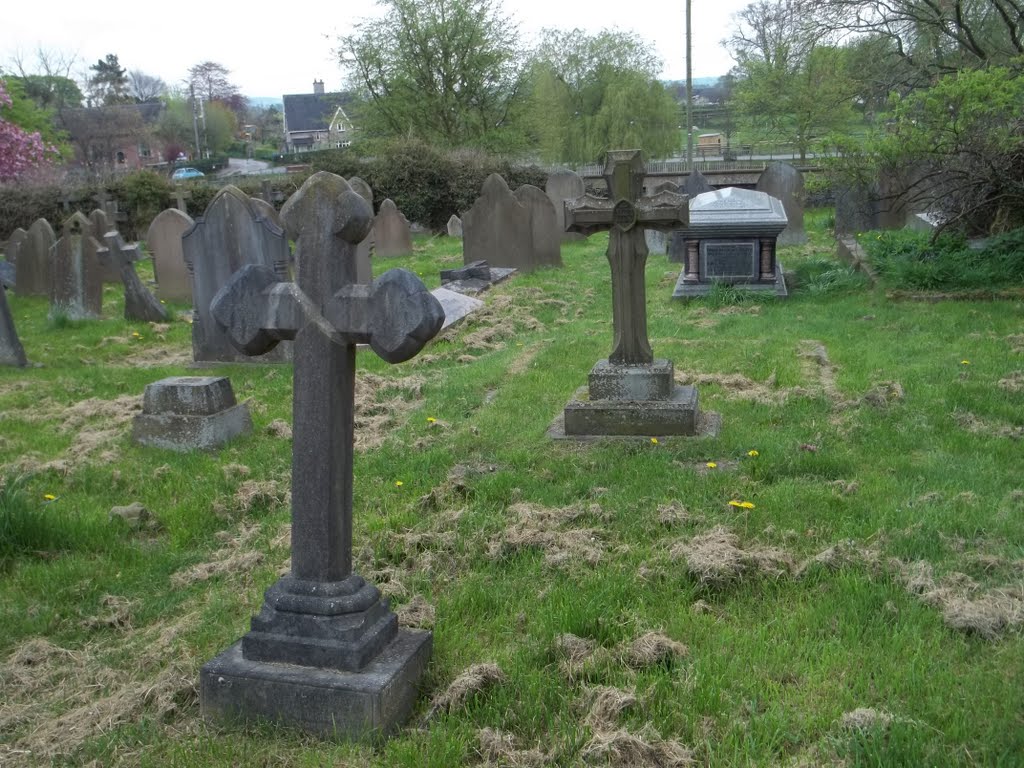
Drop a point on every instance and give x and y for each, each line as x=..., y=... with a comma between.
x=698, y=82
x=275, y=101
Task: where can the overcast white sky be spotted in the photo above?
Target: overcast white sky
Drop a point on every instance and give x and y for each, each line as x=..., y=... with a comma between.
x=272, y=51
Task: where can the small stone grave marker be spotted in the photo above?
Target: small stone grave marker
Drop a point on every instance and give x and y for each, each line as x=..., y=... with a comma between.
x=325, y=653
x=475, y=277
x=454, y=226
x=100, y=226
x=188, y=413
x=391, y=232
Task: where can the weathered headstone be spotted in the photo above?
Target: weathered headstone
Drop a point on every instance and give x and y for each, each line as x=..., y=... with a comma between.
x=173, y=282
x=497, y=228
x=11, y=351
x=731, y=239
x=101, y=225
x=630, y=393
x=784, y=182
x=657, y=241
x=364, y=269
x=454, y=226
x=76, y=285
x=223, y=240
x=391, y=232
x=547, y=240
x=564, y=184
x=35, y=260
x=139, y=303
x=325, y=653
x=188, y=413
x=695, y=184
x=9, y=266
x=266, y=210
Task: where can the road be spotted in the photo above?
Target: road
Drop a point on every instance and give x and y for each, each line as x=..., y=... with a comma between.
x=245, y=167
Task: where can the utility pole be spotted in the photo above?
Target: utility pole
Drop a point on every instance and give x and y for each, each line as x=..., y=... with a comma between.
x=689, y=90
x=195, y=119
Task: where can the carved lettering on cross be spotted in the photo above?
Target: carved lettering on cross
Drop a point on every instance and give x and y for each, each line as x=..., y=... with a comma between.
x=626, y=214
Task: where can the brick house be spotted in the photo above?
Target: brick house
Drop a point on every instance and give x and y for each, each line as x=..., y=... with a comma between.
x=118, y=136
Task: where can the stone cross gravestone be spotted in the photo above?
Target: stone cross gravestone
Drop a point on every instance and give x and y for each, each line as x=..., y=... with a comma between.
x=784, y=182
x=391, y=232
x=731, y=239
x=76, y=285
x=35, y=260
x=630, y=393
x=564, y=184
x=223, y=240
x=139, y=303
x=325, y=653
x=163, y=239
x=11, y=351
x=180, y=196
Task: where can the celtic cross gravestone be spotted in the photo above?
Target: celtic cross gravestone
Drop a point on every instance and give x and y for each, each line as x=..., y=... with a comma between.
x=325, y=653
x=630, y=393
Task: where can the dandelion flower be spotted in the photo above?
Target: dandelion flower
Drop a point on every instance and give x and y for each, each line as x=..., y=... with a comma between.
x=741, y=504
x=49, y=496
x=711, y=465
x=654, y=440
x=753, y=454
x=399, y=483
x=965, y=362
x=431, y=419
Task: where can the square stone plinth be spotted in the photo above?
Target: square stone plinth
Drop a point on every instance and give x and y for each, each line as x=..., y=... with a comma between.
x=189, y=395
x=676, y=415
x=182, y=433
x=652, y=381
x=359, y=706
x=686, y=289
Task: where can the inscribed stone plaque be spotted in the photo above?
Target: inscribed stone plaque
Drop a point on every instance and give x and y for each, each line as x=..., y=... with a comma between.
x=728, y=260
x=163, y=240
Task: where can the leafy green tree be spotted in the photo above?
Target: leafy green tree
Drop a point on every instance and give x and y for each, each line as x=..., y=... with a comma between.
x=109, y=83
x=447, y=71
x=595, y=93
x=221, y=127
x=792, y=84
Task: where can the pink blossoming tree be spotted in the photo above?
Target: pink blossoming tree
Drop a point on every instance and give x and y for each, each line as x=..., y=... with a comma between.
x=20, y=151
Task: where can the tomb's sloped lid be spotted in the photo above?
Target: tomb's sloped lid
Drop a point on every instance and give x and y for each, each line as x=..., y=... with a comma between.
x=735, y=212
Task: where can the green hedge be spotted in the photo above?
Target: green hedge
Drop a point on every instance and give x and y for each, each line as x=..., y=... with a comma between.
x=428, y=185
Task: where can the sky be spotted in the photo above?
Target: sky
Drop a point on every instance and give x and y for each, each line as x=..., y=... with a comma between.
x=269, y=55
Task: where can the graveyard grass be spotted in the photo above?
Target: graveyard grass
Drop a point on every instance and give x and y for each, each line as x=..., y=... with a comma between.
x=836, y=579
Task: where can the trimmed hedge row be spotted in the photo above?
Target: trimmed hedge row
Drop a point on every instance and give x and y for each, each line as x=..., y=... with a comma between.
x=428, y=185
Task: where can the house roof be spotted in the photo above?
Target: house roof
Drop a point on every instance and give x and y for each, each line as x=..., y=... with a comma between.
x=312, y=111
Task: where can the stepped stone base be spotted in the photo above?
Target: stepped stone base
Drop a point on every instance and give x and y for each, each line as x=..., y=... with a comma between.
x=367, y=705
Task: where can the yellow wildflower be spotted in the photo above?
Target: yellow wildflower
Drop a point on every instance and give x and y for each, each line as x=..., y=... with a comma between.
x=965, y=362
x=654, y=440
x=431, y=419
x=753, y=454
x=399, y=483
x=741, y=504
x=49, y=496
x=711, y=465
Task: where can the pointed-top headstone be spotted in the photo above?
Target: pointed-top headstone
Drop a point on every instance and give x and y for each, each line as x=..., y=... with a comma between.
x=225, y=238
x=392, y=236
x=547, y=240
x=454, y=226
x=266, y=210
x=76, y=287
x=696, y=184
x=35, y=260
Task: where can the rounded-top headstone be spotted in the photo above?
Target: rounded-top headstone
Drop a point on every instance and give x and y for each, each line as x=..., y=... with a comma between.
x=786, y=183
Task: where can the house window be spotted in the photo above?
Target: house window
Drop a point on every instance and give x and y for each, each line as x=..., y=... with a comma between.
x=144, y=151
x=120, y=158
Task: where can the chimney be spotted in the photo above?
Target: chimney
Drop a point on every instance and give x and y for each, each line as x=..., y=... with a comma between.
x=318, y=87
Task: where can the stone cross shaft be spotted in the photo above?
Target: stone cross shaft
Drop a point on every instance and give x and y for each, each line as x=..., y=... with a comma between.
x=627, y=214
x=327, y=313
